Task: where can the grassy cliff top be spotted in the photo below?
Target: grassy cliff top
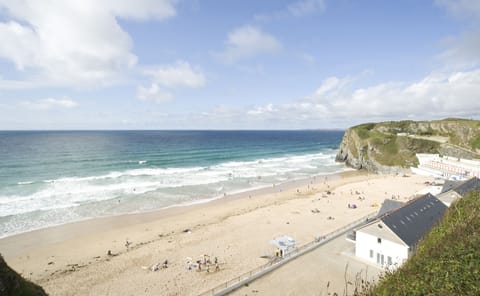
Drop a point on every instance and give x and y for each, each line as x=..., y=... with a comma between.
x=464, y=133
x=447, y=261
x=396, y=143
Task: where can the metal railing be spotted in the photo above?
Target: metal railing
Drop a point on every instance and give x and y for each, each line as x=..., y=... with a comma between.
x=259, y=271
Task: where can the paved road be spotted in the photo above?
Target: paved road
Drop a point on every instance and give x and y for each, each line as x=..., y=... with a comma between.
x=319, y=272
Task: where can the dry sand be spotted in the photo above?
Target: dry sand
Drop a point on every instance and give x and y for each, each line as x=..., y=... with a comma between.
x=72, y=259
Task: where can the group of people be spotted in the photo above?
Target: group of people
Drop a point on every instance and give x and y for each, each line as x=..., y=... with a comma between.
x=202, y=264
x=352, y=206
x=156, y=267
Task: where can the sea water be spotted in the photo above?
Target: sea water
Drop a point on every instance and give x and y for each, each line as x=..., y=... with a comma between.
x=54, y=177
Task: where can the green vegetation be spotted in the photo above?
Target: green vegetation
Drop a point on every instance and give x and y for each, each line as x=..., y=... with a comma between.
x=475, y=143
x=428, y=132
x=396, y=143
x=390, y=149
x=447, y=261
x=400, y=151
x=353, y=149
x=363, y=130
x=400, y=126
x=11, y=283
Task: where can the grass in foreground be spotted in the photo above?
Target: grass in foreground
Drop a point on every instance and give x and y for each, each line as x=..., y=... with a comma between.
x=447, y=261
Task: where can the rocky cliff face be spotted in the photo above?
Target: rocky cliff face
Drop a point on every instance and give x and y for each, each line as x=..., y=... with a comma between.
x=390, y=147
x=11, y=283
x=356, y=153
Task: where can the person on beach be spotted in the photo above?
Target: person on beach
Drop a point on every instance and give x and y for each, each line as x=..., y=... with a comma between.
x=199, y=262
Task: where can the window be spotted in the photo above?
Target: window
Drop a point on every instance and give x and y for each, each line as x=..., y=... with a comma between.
x=379, y=240
x=371, y=253
x=380, y=259
x=389, y=260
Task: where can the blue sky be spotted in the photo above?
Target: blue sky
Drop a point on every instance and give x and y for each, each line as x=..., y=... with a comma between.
x=178, y=64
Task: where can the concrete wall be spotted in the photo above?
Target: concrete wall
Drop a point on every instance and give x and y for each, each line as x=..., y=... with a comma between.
x=365, y=243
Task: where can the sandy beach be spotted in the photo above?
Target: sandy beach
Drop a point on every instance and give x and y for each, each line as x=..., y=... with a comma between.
x=72, y=259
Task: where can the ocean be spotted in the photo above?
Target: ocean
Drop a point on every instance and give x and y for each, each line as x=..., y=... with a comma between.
x=54, y=177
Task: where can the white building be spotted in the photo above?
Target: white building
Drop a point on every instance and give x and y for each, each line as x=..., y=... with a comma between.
x=390, y=239
x=284, y=244
x=446, y=167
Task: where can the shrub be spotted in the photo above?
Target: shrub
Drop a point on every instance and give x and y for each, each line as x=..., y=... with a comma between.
x=447, y=261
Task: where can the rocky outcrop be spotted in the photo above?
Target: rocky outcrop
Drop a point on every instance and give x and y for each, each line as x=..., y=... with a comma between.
x=390, y=147
x=356, y=154
x=455, y=151
x=11, y=283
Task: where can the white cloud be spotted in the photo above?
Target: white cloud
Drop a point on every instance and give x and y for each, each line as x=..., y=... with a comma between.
x=306, y=7
x=307, y=58
x=246, y=42
x=153, y=93
x=462, y=51
x=462, y=8
x=298, y=8
x=141, y=9
x=73, y=43
x=50, y=103
x=336, y=100
x=328, y=85
x=18, y=84
x=180, y=74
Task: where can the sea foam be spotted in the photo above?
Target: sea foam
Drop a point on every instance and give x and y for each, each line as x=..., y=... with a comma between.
x=110, y=173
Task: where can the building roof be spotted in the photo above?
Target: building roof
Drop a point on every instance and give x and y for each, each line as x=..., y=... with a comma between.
x=412, y=221
x=283, y=242
x=468, y=186
x=449, y=185
x=388, y=206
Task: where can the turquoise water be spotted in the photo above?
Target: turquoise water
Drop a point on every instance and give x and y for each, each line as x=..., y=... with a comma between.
x=51, y=178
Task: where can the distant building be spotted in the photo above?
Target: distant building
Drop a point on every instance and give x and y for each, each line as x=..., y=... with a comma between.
x=447, y=167
x=390, y=240
x=453, y=190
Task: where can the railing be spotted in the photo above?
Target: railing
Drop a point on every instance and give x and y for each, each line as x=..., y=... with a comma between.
x=259, y=271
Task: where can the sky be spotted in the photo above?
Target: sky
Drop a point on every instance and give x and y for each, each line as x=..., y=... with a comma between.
x=237, y=64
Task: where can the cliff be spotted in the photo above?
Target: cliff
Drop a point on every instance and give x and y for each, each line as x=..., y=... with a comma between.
x=388, y=147
x=11, y=283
